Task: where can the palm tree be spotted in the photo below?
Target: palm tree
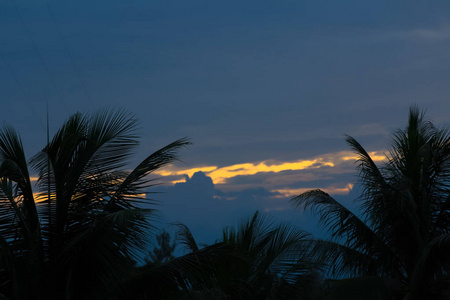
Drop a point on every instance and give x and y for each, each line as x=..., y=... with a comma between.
x=403, y=228
x=164, y=251
x=82, y=230
x=257, y=260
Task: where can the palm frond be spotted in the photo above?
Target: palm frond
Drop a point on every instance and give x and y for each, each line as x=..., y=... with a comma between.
x=88, y=215
x=430, y=270
x=283, y=254
x=136, y=181
x=8, y=264
x=185, y=237
x=405, y=212
x=343, y=260
x=346, y=227
x=14, y=167
x=338, y=219
x=109, y=244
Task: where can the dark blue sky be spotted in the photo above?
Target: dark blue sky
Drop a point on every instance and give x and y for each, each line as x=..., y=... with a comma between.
x=264, y=89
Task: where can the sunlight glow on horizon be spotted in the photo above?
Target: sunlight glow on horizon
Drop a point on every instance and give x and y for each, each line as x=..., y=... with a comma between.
x=188, y=172
x=219, y=175
x=332, y=190
x=374, y=155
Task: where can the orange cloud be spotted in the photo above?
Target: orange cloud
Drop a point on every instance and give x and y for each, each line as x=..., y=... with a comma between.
x=376, y=156
x=220, y=175
x=188, y=172
x=337, y=162
x=332, y=190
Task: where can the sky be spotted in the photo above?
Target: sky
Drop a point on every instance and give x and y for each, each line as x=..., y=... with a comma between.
x=265, y=90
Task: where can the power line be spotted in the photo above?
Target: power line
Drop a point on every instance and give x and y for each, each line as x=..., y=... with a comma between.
x=40, y=56
x=69, y=53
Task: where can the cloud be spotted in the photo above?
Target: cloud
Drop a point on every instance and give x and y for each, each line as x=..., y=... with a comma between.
x=440, y=33
x=332, y=190
x=370, y=129
x=206, y=210
x=208, y=198
x=374, y=155
x=188, y=172
x=203, y=208
x=220, y=176
x=275, y=175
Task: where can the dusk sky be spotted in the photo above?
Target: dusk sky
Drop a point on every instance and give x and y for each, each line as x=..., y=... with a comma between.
x=265, y=90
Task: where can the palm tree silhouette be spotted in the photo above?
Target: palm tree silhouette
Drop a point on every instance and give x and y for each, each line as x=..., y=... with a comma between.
x=78, y=235
x=256, y=260
x=402, y=230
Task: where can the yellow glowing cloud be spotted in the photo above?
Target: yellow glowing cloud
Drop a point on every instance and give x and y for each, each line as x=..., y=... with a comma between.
x=220, y=176
x=374, y=155
x=332, y=190
x=188, y=172
x=337, y=161
x=178, y=181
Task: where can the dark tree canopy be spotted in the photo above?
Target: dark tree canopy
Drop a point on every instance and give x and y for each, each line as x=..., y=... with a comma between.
x=403, y=231
x=78, y=233
x=164, y=251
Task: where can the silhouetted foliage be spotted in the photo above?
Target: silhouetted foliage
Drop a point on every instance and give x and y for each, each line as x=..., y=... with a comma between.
x=79, y=236
x=403, y=231
x=164, y=251
x=257, y=260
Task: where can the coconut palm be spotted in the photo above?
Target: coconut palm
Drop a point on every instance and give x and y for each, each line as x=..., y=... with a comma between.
x=80, y=232
x=402, y=230
x=257, y=260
